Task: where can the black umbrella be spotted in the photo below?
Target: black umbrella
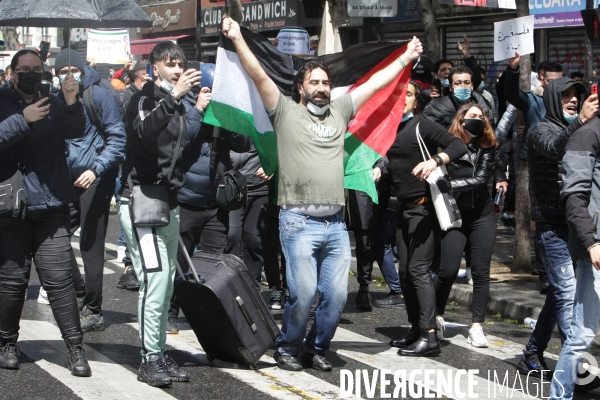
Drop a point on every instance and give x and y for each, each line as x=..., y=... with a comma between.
x=95, y=14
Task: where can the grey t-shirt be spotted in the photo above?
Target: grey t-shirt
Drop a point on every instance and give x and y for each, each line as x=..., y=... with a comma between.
x=311, y=151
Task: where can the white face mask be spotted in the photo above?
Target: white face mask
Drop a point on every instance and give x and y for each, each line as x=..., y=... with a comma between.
x=165, y=84
x=76, y=76
x=316, y=110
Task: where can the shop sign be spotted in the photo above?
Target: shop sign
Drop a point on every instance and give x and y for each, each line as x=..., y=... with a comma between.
x=372, y=8
x=262, y=15
x=556, y=13
x=171, y=17
x=408, y=10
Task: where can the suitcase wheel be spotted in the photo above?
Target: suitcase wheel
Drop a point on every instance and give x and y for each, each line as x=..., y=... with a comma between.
x=210, y=358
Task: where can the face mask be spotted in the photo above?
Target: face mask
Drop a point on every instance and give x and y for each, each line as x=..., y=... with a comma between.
x=27, y=81
x=481, y=85
x=445, y=82
x=569, y=118
x=77, y=77
x=462, y=94
x=407, y=116
x=316, y=110
x=55, y=83
x=474, y=127
x=164, y=84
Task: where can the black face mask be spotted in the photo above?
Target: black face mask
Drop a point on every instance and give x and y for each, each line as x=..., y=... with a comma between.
x=475, y=126
x=27, y=81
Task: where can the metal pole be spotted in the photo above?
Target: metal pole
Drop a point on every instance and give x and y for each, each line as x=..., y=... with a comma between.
x=198, y=30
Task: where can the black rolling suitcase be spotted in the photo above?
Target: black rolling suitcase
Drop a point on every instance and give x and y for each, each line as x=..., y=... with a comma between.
x=226, y=312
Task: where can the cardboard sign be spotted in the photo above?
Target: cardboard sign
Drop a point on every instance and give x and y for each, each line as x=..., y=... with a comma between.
x=111, y=47
x=513, y=35
x=294, y=41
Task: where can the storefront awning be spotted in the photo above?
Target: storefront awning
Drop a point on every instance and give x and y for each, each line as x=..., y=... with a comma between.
x=145, y=46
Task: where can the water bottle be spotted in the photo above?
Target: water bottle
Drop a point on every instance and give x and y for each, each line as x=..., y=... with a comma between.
x=498, y=197
x=530, y=322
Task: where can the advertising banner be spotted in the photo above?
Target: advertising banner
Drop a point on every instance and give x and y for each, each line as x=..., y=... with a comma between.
x=111, y=47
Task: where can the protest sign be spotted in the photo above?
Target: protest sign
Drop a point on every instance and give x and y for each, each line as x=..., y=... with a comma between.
x=111, y=47
x=296, y=41
x=513, y=35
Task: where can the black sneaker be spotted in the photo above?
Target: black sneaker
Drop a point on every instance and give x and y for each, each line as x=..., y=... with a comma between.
x=153, y=372
x=9, y=356
x=535, y=364
x=507, y=222
x=393, y=300
x=275, y=301
x=173, y=370
x=288, y=363
x=128, y=280
x=315, y=361
x=544, y=285
x=172, y=327
x=363, y=300
x=91, y=322
x=78, y=364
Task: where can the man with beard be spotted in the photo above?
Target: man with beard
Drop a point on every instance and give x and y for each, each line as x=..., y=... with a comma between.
x=310, y=143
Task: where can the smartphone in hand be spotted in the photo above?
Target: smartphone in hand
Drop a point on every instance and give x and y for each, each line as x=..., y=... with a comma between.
x=194, y=65
x=594, y=88
x=41, y=90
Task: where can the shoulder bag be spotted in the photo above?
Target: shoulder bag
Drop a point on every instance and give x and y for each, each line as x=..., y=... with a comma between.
x=446, y=209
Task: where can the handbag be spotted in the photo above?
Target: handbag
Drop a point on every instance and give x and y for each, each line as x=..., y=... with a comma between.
x=232, y=191
x=13, y=200
x=446, y=209
x=149, y=204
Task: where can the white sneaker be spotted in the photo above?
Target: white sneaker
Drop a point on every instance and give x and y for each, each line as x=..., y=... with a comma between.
x=113, y=201
x=43, y=297
x=441, y=326
x=469, y=276
x=77, y=232
x=476, y=337
x=121, y=253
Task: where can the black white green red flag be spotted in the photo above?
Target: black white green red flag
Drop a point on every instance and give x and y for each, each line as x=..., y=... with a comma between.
x=236, y=104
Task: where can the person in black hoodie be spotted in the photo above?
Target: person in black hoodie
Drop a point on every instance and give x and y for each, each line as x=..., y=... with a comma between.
x=418, y=228
x=469, y=176
x=32, y=138
x=546, y=142
x=160, y=128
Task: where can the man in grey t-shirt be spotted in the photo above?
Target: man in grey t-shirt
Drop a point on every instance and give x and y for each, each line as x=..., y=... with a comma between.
x=310, y=144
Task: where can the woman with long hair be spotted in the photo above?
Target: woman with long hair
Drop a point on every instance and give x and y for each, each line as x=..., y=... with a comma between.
x=469, y=176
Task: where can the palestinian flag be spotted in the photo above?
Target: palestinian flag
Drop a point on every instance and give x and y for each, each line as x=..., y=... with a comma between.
x=237, y=106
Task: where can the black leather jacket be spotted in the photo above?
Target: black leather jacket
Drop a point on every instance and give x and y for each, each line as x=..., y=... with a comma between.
x=470, y=174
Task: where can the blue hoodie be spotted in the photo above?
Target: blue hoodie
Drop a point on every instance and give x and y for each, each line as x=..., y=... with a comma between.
x=101, y=150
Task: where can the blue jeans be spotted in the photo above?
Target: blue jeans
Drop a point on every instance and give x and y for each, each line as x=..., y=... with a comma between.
x=317, y=252
x=558, y=307
x=384, y=238
x=584, y=324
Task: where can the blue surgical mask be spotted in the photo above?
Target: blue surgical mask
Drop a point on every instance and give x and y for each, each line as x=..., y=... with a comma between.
x=569, y=118
x=407, y=116
x=445, y=82
x=165, y=84
x=462, y=94
x=481, y=85
x=316, y=110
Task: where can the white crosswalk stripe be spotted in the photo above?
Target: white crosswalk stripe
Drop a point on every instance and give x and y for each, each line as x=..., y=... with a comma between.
x=107, y=271
x=41, y=341
x=115, y=263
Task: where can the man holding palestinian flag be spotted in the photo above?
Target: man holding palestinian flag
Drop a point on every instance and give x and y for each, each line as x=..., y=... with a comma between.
x=310, y=135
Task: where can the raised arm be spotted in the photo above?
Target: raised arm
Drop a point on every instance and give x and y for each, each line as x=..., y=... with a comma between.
x=384, y=77
x=269, y=93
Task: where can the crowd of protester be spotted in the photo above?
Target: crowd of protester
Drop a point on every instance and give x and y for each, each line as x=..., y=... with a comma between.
x=96, y=138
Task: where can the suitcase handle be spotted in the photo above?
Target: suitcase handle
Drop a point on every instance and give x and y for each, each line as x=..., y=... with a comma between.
x=190, y=265
x=246, y=315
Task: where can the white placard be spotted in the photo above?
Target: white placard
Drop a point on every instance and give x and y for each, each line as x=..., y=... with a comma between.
x=294, y=41
x=111, y=47
x=513, y=35
x=372, y=8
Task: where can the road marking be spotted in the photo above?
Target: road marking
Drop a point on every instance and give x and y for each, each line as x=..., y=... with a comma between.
x=107, y=271
x=114, y=262
x=42, y=342
x=268, y=379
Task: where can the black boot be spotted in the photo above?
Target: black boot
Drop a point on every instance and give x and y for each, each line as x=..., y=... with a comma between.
x=408, y=339
x=78, y=364
x=427, y=345
x=9, y=352
x=363, y=299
